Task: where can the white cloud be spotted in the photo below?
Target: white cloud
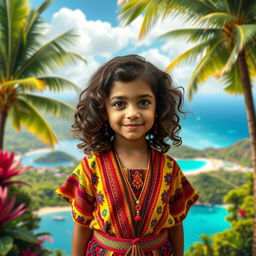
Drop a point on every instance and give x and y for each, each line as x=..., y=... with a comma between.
x=156, y=58
x=96, y=38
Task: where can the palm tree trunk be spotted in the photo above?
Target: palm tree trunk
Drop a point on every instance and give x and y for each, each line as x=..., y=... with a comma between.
x=3, y=116
x=251, y=118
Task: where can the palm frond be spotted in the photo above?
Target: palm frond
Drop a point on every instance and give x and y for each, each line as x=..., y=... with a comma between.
x=57, y=84
x=191, y=34
x=233, y=81
x=24, y=114
x=15, y=12
x=214, y=65
x=54, y=48
x=48, y=105
x=191, y=54
x=151, y=14
x=161, y=9
x=27, y=83
x=244, y=34
x=216, y=19
x=132, y=9
x=51, y=62
x=31, y=41
x=194, y=81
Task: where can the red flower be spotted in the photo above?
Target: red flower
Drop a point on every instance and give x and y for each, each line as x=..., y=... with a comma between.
x=8, y=212
x=241, y=213
x=8, y=169
x=27, y=252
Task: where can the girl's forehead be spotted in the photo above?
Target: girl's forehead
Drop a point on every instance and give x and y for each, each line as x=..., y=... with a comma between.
x=132, y=88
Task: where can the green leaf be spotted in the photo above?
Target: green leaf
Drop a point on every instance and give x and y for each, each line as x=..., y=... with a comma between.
x=216, y=19
x=233, y=81
x=57, y=84
x=28, y=116
x=191, y=54
x=6, y=243
x=50, y=55
x=21, y=234
x=243, y=35
x=43, y=234
x=49, y=105
x=26, y=83
x=191, y=34
x=193, y=83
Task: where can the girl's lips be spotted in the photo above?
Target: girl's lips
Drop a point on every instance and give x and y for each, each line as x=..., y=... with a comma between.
x=132, y=126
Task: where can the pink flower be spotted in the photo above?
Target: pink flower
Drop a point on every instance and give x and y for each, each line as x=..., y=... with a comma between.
x=8, y=169
x=8, y=212
x=46, y=238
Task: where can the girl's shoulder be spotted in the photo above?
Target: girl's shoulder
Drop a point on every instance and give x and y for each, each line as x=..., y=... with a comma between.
x=89, y=159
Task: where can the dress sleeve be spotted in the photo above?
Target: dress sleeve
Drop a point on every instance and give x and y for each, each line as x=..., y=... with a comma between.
x=182, y=195
x=78, y=192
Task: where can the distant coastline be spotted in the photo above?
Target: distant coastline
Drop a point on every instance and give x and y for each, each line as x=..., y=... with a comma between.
x=52, y=209
x=39, y=150
x=59, y=209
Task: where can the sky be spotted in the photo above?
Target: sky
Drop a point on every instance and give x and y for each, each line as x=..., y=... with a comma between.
x=102, y=37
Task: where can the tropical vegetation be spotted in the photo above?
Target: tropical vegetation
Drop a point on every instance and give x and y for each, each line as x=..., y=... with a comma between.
x=17, y=221
x=25, y=67
x=237, y=240
x=223, y=33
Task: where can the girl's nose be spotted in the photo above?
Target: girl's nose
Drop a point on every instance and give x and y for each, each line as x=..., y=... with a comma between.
x=132, y=113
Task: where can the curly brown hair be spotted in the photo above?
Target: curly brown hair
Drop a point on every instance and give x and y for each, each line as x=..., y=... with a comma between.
x=89, y=121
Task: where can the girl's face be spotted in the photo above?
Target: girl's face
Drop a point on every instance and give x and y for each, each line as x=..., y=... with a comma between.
x=131, y=109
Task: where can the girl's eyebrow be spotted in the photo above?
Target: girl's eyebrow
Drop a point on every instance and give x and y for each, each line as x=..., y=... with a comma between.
x=125, y=97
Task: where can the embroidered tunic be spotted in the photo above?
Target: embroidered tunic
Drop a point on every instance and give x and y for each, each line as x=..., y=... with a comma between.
x=101, y=199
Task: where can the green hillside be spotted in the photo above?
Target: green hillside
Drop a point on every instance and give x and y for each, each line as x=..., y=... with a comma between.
x=56, y=156
x=239, y=152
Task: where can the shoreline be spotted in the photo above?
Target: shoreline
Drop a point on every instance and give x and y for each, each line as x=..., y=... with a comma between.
x=211, y=165
x=52, y=209
x=39, y=150
x=59, y=209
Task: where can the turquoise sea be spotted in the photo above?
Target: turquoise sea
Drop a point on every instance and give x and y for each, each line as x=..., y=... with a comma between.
x=69, y=146
x=200, y=220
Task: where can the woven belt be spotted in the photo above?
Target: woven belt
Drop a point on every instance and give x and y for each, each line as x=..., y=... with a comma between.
x=133, y=247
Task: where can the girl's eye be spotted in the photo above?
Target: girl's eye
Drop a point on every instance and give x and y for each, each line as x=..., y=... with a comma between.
x=144, y=103
x=118, y=104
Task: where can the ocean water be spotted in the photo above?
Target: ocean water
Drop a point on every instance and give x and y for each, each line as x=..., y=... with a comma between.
x=69, y=146
x=200, y=220
x=214, y=121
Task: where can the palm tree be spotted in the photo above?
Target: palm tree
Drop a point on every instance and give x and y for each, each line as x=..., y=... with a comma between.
x=24, y=67
x=225, y=46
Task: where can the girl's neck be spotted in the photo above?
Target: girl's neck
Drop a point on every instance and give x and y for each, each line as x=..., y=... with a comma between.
x=133, y=155
x=130, y=147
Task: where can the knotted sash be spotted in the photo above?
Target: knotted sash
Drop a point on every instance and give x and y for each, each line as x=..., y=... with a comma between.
x=131, y=247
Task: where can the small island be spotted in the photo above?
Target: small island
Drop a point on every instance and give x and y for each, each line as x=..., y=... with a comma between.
x=56, y=156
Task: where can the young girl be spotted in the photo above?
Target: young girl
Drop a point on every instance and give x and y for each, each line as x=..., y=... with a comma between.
x=127, y=196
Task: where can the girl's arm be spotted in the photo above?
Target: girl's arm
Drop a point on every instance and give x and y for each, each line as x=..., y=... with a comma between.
x=81, y=237
x=176, y=237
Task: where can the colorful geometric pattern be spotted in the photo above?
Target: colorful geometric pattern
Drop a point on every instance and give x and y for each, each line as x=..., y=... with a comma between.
x=100, y=198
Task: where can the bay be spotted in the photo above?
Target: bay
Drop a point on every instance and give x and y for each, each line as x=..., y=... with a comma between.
x=200, y=220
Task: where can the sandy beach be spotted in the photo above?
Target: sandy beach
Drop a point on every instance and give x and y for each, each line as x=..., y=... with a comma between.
x=211, y=165
x=53, y=209
x=40, y=150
